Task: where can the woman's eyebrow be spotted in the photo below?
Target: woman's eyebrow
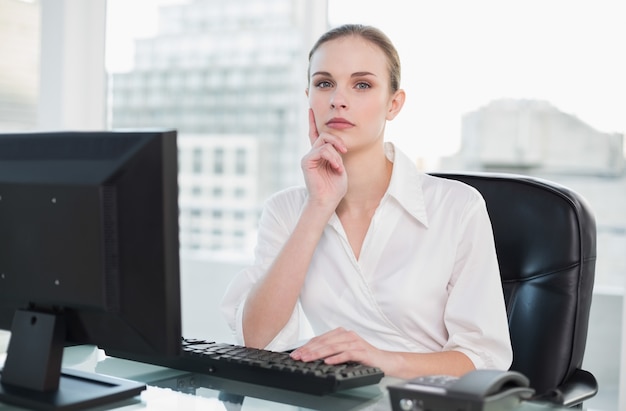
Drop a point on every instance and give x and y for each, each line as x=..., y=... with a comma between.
x=321, y=73
x=357, y=74
x=362, y=74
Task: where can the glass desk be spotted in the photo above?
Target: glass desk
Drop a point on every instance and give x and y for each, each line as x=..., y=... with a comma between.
x=172, y=390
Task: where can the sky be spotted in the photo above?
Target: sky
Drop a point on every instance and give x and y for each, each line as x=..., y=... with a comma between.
x=459, y=55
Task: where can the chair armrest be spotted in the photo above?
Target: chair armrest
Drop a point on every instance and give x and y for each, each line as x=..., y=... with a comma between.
x=580, y=386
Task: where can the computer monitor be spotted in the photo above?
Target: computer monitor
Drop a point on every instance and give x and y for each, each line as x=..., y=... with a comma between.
x=88, y=255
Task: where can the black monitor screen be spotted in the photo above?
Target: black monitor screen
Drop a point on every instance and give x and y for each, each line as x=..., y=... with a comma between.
x=88, y=249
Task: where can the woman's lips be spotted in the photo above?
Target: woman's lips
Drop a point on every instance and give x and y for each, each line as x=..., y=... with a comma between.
x=339, y=123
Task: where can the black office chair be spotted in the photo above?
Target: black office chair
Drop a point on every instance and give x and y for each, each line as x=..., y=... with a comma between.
x=545, y=237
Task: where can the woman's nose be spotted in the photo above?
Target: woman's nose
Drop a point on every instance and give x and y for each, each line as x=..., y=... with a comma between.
x=338, y=100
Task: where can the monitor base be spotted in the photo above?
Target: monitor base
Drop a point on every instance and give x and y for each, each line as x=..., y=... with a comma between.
x=77, y=390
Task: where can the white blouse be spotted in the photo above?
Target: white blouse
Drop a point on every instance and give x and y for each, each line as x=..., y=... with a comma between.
x=427, y=279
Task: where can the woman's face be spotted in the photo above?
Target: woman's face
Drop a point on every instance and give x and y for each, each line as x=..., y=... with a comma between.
x=349, y=91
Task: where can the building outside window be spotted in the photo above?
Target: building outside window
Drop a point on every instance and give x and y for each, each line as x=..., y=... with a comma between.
x=225, y=75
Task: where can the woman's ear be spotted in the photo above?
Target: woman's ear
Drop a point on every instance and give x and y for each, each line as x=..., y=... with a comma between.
x=397, y=101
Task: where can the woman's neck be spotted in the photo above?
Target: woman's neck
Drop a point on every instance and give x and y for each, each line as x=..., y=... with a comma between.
x=369, y=174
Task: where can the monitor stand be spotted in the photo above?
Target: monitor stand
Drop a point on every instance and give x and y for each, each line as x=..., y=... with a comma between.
x=32, y=376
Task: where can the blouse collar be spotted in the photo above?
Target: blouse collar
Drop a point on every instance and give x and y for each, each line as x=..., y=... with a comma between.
x=406, y=184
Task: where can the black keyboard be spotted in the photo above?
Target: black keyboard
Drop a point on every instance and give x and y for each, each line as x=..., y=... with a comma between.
x=270, y=368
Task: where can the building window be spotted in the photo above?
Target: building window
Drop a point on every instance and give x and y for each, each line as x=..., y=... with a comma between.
x=240, y=161
x=240, y=192
x=218, y=161
x=197, y=160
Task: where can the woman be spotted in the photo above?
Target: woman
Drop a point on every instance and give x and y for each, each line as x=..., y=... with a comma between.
x=392, y=268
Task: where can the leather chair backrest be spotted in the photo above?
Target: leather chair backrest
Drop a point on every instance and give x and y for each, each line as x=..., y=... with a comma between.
x=545, y=237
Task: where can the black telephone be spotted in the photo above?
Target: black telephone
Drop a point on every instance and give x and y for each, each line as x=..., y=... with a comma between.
x=479, y=390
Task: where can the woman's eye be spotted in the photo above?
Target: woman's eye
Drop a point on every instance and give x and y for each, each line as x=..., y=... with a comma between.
x=324, y=84
x=362, y=86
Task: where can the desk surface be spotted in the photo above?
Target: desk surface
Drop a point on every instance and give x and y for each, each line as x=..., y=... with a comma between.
x=169, y=389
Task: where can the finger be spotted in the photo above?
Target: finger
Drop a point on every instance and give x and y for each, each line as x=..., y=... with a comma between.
x=313, y=133
x=332, y=140
x=304, y=352
x=322, y=153
x=328, y=344
x=331, y=353
x=328, y=153
x=340, y=358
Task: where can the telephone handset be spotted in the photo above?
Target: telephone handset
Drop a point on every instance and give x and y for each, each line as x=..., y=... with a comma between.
x=474, y=391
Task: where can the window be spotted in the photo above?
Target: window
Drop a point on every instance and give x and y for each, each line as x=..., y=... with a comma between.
x=240, y=192
x=218, y=161
x=218, y=75
x=218, y=192
x=197, y=161
x=240, y=161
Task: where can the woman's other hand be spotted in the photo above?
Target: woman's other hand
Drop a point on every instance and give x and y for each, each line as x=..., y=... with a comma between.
x=340, y=346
